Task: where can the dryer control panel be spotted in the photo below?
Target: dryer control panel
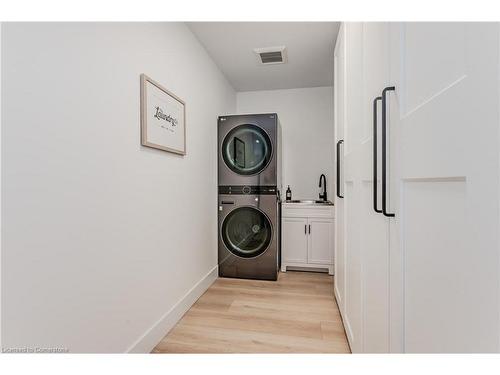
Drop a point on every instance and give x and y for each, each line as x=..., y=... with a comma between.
x=246, y=189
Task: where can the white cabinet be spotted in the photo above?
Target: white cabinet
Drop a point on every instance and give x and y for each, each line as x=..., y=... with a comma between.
x=340, y=118
x=307, y=237
x=349, y=138
x=294, y=240
x=320, y=241
x=376, y=226
x=443, y=186
x=411, y=253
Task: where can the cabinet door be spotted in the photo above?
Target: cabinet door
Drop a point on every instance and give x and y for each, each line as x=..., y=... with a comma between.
x=375, y=226
x=339, y=69
x=320, y=244
x=444, y=175
x=352, y=183
x=294, y=240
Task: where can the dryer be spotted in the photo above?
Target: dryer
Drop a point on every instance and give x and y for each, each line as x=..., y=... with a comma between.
x=249, y=150
x=248, y=233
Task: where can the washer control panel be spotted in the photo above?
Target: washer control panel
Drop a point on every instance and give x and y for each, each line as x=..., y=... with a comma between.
x=247, y=189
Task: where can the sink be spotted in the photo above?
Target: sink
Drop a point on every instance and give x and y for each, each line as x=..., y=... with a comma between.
x=310, y=201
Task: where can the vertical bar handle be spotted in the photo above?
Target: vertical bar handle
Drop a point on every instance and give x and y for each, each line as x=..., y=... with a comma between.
x=338, y=168
x=375, y=140
x=384, y=151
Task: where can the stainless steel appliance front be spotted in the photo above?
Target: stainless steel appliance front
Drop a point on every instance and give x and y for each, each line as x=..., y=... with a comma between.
x=248, y=150
x=248, y=236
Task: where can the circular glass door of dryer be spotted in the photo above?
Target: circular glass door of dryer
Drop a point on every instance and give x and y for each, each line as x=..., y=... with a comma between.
x=247, y=150
x=247, y=232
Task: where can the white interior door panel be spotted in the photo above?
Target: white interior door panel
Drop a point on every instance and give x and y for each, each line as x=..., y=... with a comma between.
x=444, y=187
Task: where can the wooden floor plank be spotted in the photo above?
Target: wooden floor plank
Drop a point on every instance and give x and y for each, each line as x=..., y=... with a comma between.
x=296, y=314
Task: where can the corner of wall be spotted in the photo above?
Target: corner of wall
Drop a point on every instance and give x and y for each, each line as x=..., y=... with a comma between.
x=147, y=342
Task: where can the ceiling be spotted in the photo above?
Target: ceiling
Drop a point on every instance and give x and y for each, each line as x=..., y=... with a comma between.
x=309, y=47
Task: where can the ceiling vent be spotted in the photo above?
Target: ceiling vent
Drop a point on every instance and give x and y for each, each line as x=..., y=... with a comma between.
x=271, y=55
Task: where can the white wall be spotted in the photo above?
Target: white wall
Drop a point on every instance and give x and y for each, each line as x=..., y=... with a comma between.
x=306, y=117
x=1, y=230
x=102, y=237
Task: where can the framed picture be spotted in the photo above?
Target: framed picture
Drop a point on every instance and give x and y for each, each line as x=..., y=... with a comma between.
x=163, y=118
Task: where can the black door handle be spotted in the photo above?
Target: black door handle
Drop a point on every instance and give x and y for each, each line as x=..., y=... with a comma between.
x=338, y=168
x=309, y=228
x=305, y=228
x=384, y=151
x=375, y=177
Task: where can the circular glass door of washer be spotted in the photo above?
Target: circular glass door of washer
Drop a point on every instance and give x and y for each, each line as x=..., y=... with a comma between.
x=247, y=232
x=247, y=150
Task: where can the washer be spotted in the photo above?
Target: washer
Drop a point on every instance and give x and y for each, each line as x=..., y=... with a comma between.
x=248, y=233
x=249, y=150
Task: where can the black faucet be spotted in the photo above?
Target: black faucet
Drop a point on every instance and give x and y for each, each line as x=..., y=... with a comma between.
x=323, y=196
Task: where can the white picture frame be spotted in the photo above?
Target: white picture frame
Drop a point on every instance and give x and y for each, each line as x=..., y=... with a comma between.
x=163, y=118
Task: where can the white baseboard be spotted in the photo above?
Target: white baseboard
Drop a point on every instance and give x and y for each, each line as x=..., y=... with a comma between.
x=348, y=331
x=345, y=322
x=337, y=298
x=148, y=340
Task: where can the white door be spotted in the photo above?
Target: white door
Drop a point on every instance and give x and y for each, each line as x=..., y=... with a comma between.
x=444, y=187
x=353, y=135
x=375, y=232
x=339, y=113
x=294, y=239
x=320, y=241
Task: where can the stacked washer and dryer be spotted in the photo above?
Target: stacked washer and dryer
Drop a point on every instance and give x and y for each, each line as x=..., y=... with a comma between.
x=249, y=177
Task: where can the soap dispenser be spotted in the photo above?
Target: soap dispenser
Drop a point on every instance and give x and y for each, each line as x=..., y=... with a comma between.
x=288, y=194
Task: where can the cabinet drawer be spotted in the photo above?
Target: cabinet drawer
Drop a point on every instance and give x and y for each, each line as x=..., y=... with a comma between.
x=293, y=210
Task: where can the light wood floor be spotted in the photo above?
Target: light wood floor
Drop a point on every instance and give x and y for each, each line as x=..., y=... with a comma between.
x=296, y=314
